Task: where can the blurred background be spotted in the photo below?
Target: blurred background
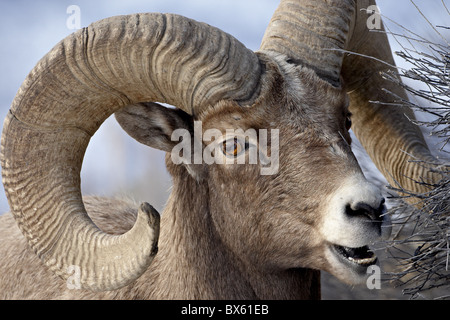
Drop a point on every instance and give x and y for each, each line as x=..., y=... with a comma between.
x=116, y=165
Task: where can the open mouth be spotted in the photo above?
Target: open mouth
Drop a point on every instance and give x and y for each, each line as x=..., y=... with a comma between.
x=361, y=256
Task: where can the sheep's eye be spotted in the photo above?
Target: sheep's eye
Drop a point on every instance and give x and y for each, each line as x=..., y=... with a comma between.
x=348, y=121
x=233, y=147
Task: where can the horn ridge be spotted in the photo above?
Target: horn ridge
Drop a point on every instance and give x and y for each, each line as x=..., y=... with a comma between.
x=308, y=32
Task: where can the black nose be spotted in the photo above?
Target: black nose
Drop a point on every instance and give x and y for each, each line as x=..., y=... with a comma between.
x=366, y=210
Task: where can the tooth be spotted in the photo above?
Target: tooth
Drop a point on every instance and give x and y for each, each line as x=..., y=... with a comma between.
x=363, y=261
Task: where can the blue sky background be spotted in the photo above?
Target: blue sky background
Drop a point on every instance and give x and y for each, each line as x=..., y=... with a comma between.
x=114, y=163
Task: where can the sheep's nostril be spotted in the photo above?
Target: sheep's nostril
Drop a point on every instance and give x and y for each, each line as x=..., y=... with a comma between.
x=363, y=209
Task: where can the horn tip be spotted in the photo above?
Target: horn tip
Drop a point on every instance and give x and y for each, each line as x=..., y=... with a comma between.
x=152, y=218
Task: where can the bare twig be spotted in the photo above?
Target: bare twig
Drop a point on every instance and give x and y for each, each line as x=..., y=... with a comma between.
x=421, y=242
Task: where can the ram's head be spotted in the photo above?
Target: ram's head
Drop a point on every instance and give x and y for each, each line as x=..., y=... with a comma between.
x=302, y=203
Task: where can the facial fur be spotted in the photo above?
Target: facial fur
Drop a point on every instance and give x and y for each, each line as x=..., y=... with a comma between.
x=278, y=217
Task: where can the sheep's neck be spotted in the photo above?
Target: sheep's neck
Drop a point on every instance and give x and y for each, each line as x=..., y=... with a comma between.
x=193, y=263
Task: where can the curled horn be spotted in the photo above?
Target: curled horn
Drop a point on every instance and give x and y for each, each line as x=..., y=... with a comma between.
x=332, y=38
x=308, y=32
x=82, y=81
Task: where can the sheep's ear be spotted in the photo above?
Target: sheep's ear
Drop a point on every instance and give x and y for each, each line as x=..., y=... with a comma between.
x=152, y=124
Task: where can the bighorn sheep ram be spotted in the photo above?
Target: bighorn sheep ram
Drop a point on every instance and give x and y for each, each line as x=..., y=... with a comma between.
x=227, y=231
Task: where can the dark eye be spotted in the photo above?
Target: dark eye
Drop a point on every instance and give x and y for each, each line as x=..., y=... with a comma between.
x=233, y=147
x=348, y=121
